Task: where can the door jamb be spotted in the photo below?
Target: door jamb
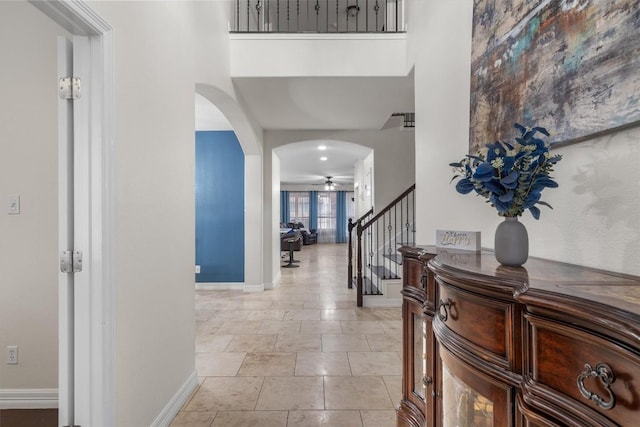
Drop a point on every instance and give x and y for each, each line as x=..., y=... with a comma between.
x=79, y=19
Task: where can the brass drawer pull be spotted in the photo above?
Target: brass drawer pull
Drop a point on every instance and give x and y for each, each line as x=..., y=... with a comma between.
x=446, y=305
x=605, y=374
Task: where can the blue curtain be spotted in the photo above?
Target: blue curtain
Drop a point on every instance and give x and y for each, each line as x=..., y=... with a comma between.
x=341, y=217
x=313, y=210
x=284, y=207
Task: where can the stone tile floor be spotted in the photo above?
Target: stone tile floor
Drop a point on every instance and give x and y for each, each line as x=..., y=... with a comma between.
x=302, y=354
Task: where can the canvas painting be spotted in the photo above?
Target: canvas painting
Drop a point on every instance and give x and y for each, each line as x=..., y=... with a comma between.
x=571, y=66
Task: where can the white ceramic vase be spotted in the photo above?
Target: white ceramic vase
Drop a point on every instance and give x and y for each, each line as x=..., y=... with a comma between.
x=511, y=242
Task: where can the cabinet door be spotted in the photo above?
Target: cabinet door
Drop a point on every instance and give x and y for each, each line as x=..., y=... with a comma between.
x=526, y=417
x=468, y=397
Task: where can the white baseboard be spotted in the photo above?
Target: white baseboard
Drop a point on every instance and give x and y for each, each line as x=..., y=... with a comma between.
x=220, y=286
x=275, y=283
x=253, y=288
x=177, y=401
x=380, y=301
x=40, y=398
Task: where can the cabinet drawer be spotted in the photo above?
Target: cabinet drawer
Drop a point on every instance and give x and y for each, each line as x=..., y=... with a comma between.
x=486, y=324
x=558, y=357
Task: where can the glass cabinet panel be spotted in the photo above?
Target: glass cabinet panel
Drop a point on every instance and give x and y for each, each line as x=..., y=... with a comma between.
x=462, y=405
x=419, y=355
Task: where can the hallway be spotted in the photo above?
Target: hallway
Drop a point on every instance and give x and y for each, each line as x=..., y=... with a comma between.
x=300, y=355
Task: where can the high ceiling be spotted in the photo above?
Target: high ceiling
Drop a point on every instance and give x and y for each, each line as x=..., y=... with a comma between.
x=327, y=103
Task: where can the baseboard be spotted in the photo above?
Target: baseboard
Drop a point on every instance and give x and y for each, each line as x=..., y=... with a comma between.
x=220, y=286
x=177, y=401
x=275, y=283
x=380, y=301
x=253, y=288
x=40, y=398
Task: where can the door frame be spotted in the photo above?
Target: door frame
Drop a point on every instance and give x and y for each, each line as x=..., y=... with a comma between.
x=98, y=344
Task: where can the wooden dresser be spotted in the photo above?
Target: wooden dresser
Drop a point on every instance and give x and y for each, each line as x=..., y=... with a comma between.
x=546, y=344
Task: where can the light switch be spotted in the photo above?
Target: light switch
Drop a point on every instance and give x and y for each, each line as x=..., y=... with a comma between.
x=14, y=204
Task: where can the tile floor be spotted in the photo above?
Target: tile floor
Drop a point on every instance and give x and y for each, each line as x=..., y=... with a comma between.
x=302, y=354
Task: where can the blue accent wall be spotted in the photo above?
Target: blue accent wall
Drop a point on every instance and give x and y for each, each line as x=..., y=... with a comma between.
x=219, y=207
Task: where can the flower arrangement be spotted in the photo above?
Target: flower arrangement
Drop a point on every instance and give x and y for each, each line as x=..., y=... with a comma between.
x=510, y=176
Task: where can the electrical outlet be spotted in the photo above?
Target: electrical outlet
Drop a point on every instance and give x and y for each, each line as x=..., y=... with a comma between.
x=12, y=355
x=197, y=269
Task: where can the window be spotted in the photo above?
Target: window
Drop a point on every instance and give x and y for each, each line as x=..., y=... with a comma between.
x=326, y=217
x=299, y=207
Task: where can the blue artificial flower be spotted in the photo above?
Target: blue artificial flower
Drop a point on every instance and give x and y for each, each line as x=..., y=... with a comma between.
x=511, y=176
x=484, y=172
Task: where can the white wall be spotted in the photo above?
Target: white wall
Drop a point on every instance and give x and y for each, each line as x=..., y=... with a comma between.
x=162, y=50
x=28, y=167
x=596, y=216
x=290, y=55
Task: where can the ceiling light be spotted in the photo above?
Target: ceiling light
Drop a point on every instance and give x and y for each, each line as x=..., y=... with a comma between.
x=329, y=185
x=322, y=147
x=324, y=159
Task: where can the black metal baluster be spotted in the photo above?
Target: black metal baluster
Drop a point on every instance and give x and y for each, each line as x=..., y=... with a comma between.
x=238, y=15
x=366, y=16
x=397, y=17
x=298, y=15
x=413, y=227
x=376, y=8
x=393, y=232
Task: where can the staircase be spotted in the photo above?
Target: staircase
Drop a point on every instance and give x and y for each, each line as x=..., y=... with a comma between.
x=377, y=278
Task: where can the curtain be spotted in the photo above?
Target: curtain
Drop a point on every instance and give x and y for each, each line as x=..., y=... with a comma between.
x=341, y=217
x=313, y=210
x=284, y=206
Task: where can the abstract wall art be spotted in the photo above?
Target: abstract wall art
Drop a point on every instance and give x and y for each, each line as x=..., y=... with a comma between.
x=572, y=66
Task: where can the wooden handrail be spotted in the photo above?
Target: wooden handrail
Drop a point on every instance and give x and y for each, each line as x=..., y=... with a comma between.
x=389, y=206
x=353, y=224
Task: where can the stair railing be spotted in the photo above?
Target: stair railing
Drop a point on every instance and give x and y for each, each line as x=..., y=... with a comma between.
x=351, y=226
x=318, y=16
x=377, y=238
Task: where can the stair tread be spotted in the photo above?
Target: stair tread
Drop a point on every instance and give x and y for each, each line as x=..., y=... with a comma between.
x=383, y=272
x=368, y=287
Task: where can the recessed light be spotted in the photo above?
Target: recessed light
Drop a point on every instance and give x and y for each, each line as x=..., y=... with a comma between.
x=324, y=159
x=322, y=147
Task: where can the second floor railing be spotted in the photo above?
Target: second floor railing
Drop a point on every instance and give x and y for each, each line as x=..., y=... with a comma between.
x=318, y=16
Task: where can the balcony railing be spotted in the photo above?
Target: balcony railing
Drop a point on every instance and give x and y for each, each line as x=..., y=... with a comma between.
x=318, y=16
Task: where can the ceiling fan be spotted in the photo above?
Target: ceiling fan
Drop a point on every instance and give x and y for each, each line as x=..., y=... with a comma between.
x=329, y=185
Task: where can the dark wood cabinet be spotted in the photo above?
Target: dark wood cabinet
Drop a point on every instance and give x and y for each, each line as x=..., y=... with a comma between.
x=543, y=345
x=418, y=350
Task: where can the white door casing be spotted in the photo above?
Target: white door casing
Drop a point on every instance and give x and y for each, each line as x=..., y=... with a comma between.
x=86, y=377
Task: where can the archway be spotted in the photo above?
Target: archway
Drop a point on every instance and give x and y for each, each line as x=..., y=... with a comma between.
x=247, y=136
